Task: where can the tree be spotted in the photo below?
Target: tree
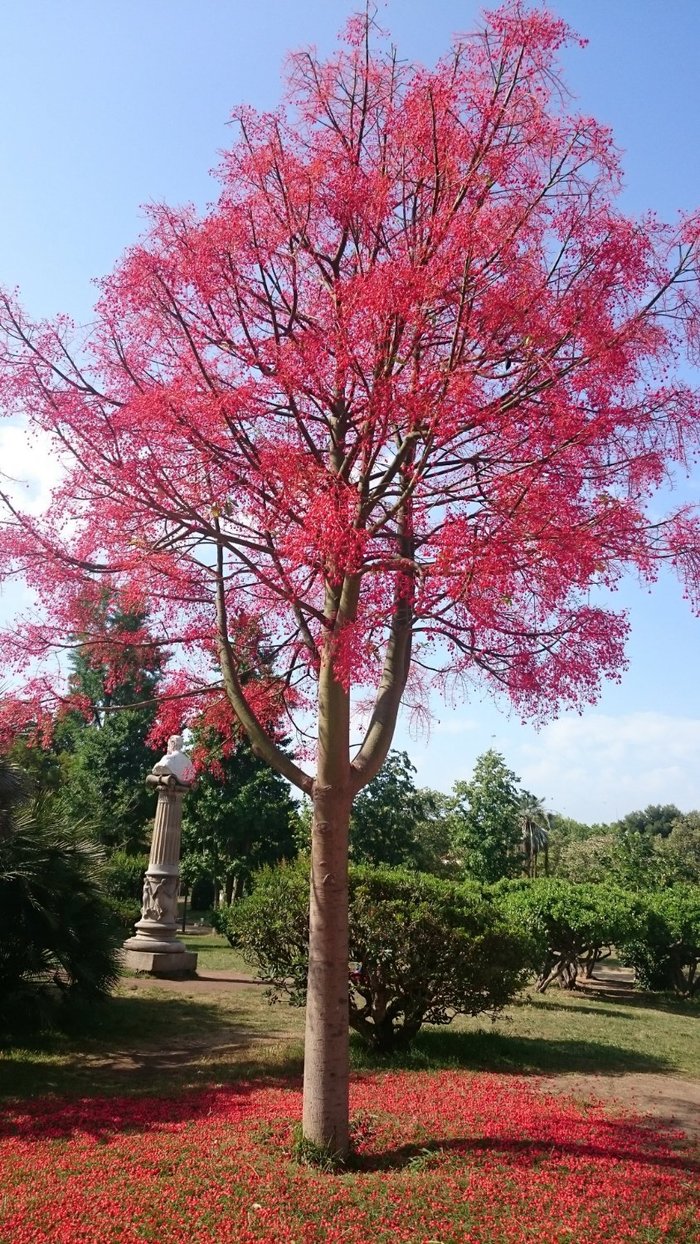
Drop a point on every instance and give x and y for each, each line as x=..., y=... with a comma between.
x=664, y=944
x=534, y=827
x=239, y=816
x=399, y=401
x=574, y=924
x=388, y=815
x=591, y=859
x=424, y=949
x=487, y=820
x=564, y=832
x=678, y=855
x=655, y=819
x=115, y=670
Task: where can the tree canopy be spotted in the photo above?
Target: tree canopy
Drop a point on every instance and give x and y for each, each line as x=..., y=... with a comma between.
x=238, y=817
x=393, y=822
x=487, y=819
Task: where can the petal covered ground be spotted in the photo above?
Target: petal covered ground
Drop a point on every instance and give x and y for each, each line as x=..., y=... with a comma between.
x=442, y=1158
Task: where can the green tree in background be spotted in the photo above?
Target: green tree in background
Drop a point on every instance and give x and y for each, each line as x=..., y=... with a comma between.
x=564, y=832
x=395, y=823
x=678, y=855
x=239, y=816
x=534, y=828
x=591, y=859
x=655, y=819
x=486, y=820
x=109, y=755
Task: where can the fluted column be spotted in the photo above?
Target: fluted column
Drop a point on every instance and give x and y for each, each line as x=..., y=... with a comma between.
x=155, y=947
x=157, y=928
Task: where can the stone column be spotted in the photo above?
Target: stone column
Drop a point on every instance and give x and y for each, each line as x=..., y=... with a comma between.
x=155, y=947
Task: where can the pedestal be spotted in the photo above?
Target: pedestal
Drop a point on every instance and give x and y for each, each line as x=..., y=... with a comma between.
x=155, y=947
x=158, y=963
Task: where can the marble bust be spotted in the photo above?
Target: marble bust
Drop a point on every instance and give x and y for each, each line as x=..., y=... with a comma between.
x=176, y=761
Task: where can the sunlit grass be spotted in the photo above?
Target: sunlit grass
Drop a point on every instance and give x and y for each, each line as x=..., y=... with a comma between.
x=148, y=1039
x=215, y=954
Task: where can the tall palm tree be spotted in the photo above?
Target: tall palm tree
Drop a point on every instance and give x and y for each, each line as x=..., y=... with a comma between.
x=534, y=825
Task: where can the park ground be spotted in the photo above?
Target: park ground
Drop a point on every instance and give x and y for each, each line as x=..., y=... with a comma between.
x=573, y=1117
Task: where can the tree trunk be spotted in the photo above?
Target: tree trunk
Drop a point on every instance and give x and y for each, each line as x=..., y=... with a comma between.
x=326, y=1050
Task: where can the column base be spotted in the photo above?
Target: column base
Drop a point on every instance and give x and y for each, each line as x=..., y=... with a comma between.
x=165, y=944
x=161, y=963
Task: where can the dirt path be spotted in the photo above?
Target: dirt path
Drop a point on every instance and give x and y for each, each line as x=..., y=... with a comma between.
x=207, y=981
x=666, y=1100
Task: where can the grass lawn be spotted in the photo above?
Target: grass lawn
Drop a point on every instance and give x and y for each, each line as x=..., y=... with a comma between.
x=145, y=1038
x=215, y=954
x=169, y=1114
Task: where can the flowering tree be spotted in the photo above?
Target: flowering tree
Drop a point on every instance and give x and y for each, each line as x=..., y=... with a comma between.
x=394, y=405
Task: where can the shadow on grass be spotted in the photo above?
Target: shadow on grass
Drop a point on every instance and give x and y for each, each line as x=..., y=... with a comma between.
x=144, y=1044
x=574, y=1007
x=104, y=1116
x=515, y=1055
x=622, y=1141
x=603, y=1001
x=640, y=998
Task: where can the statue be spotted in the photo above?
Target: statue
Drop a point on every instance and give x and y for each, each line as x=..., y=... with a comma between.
x=176, y=762
x=159, y=898
x=155, y=947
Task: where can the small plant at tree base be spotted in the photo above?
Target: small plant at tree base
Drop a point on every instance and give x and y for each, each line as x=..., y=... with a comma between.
x=321, y=1157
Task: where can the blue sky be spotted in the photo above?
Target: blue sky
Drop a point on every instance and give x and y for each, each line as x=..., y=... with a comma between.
x=108, y=106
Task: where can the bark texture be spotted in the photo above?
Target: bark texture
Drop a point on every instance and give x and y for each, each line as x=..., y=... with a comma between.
x=326, y=1053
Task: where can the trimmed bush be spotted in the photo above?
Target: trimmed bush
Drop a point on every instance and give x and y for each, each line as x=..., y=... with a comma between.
x=572, y=924
x=270, y=926
x=664, y=948
x=422, y=949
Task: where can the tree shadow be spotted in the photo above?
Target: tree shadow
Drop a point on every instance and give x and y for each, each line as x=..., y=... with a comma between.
x=138, y=1043
x=103, y=1116
x=622, y=1141
x=539, y=1004
x=599, y=992
x=512, y=1055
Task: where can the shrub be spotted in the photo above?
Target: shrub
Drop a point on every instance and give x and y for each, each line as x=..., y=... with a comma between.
x=664, y=948
x=572, y=923
x=271, y=927
x=56, y=931
x=124, y=911
x=422, y=949
x=123, y=876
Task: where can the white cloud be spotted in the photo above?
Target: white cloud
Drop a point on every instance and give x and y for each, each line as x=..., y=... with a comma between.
x=29, y=470
x=29, y=467
x=594, y=768
x=597, y=767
